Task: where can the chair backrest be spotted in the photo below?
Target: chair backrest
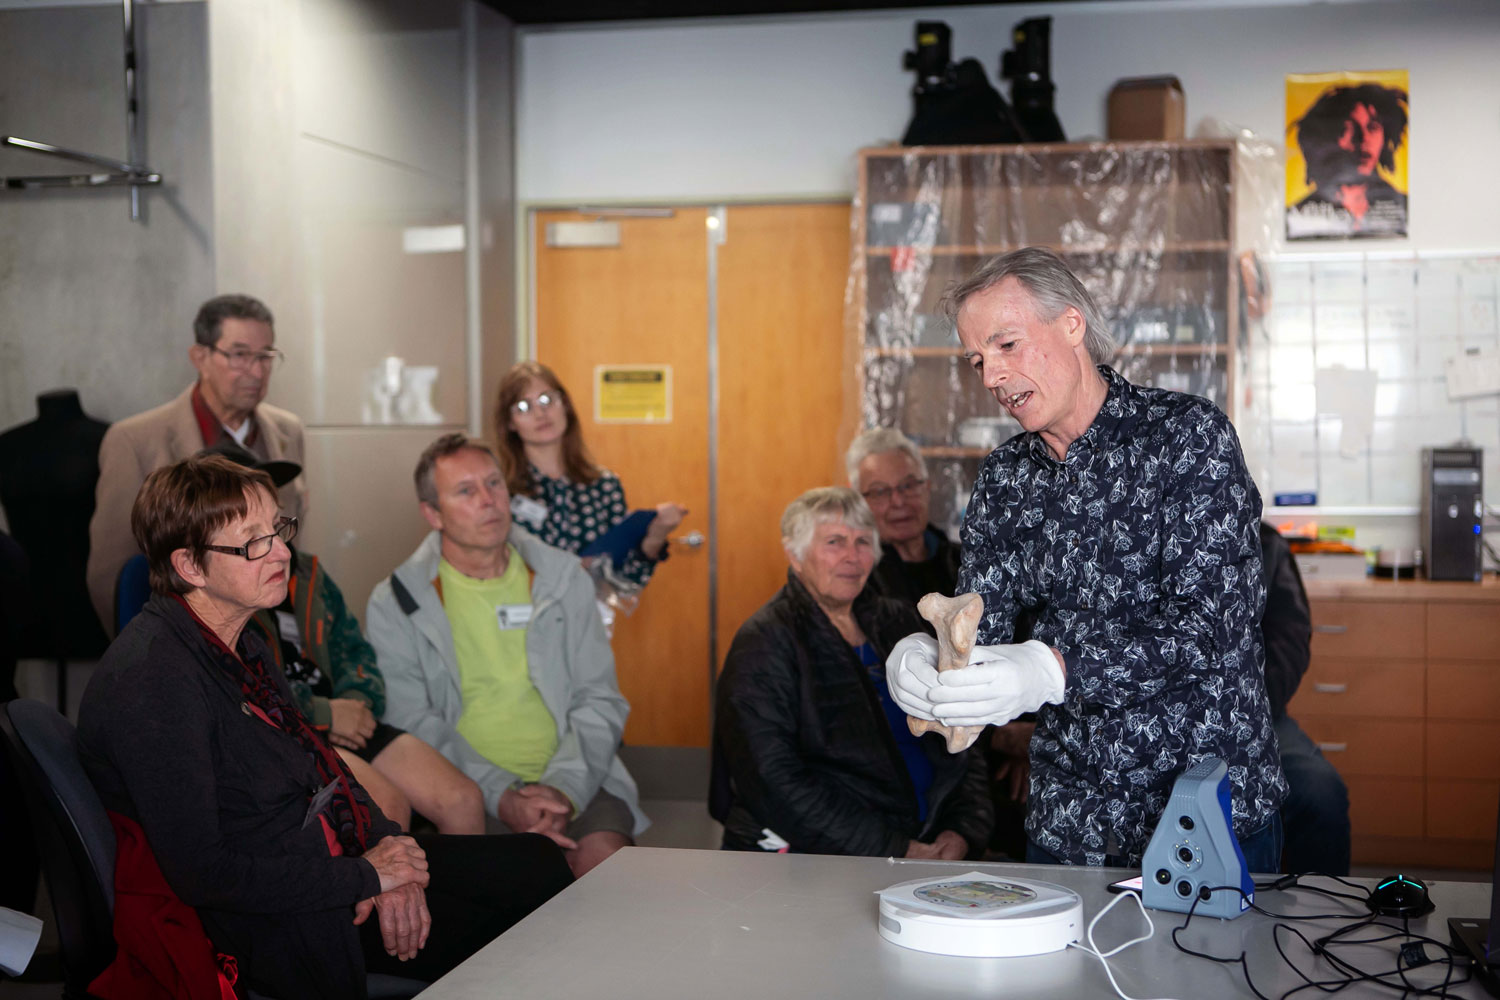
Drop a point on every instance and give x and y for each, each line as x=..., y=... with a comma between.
x=73, y=834
x=132, y=590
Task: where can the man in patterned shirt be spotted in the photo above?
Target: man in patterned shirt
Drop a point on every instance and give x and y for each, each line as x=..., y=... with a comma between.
x=1124, y=524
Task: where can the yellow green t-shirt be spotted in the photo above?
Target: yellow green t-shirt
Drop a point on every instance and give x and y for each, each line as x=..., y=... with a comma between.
x=504, y=717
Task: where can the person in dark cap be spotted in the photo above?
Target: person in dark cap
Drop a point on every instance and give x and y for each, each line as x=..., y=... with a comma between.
x=334, y=676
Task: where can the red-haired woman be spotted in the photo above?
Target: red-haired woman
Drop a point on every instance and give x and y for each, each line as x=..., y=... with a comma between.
x=557, y=492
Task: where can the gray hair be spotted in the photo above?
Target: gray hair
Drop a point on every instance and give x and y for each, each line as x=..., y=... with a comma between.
x=208, y=325
x=1053, y=287
x=819, y=506
x=875, y=441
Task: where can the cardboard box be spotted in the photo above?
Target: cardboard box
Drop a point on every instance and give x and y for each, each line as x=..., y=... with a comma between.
x=1149, y=107
x=1331, y=565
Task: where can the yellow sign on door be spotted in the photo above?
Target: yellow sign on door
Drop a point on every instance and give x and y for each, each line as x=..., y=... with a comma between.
x=633, y=394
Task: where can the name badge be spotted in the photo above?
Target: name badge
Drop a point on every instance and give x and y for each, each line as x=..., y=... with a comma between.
x=513, y=616
x=528, y=511
x=319, y=803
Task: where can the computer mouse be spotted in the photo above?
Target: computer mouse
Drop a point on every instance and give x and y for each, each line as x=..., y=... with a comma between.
x=1399, y=896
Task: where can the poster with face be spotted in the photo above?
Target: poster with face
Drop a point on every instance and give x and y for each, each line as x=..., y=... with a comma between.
x=1346, y=155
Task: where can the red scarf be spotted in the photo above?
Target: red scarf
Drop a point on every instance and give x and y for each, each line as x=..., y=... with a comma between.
x=348, y=817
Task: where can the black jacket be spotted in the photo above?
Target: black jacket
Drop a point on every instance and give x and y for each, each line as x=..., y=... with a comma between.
x=1286, y=625
x=221, y=796
x=909, y=582
x=807, y=746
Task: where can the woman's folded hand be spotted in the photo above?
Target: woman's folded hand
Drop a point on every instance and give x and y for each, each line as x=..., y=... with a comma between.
x=404, y=920
x=398, y=861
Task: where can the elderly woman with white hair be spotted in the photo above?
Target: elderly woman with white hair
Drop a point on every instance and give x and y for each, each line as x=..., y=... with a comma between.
x=820, y=760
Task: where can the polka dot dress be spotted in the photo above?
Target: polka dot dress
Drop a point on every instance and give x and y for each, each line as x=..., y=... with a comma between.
x=578, y=513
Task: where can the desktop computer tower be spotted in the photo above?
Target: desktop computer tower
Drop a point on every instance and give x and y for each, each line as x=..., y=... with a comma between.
x=1452, y=512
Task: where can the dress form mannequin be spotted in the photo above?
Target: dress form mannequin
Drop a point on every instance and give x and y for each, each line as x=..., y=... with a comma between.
x=48, y=469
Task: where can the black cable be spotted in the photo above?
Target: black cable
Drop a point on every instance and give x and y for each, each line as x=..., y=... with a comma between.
x=1288, y=882
x=1240, y=960
x=1349, y=973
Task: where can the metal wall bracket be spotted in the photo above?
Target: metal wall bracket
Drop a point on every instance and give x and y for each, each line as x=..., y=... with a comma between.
x=116, y=173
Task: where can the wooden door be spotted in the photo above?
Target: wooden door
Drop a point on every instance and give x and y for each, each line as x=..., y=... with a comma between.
x=784, y=417
x=644, y=302
x=786, y=411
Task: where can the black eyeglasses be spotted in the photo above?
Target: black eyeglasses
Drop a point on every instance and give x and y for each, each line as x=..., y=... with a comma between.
x=260, y=546
x=881, y=495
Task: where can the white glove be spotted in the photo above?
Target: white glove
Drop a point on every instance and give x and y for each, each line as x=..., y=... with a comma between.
x=911, y=672
x=1000, y=683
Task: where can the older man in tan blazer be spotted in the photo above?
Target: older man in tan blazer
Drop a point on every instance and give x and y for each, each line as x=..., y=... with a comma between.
x=234, y=352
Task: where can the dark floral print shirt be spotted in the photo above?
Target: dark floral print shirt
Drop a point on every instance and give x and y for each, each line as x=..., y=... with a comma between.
x=578, y=513
x=1138, y=559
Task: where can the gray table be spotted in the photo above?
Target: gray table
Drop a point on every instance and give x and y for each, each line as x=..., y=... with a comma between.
x=665, y=924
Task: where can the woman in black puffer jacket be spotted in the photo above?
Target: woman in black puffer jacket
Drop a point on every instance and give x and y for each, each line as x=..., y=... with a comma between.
x=818, y=759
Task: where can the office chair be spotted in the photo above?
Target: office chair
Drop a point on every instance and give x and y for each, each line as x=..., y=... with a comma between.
x=73, y=834
x=132, y=590
x=78, y=847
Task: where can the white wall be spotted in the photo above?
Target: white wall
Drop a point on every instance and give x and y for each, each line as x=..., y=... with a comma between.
x=775, y=107
x=339, y=124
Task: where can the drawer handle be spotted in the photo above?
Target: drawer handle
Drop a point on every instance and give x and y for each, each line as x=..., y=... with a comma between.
x=1330, y=688
x=1333, y=747
x=1331, y=629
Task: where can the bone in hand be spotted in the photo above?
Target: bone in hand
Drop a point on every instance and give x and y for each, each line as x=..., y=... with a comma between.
x=956, y=620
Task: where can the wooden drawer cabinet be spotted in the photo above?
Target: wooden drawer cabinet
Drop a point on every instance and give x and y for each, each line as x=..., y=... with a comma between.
x=1462, y=810
x=1386, y=807
x=1464, y=631
x=1463, y=750
x=1364, y=629
x=1380, y=688
x=1369, y=747
x=1403, y=695
x=1458, y=689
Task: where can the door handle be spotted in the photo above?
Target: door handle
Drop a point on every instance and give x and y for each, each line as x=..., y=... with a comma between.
x=1331, y=629
x=1333, y=747
x=693, y=539
x=1330, y=688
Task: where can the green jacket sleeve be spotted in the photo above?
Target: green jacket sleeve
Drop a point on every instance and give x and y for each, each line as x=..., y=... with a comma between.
x=313, y=708
x=351, y=659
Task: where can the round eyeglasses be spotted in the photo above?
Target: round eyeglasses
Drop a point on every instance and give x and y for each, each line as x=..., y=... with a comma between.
x=543, y=402
x=260, y=546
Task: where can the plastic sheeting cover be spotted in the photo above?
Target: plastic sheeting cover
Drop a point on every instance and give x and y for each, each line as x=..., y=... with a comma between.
x=1149, y=228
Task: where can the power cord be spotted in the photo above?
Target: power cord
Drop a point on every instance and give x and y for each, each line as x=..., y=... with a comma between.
x=1090, y=948
x=1324, y=946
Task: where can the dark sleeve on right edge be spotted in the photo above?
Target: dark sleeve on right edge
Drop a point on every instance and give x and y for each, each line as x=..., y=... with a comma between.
x=1286, y=626
x=158, y=742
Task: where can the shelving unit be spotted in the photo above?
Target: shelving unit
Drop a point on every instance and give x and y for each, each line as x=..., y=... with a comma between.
x=1149, y=227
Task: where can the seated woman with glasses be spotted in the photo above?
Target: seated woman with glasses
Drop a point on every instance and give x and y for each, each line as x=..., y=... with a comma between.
x=557, y=492
x=819, y=759
x=916, y=557
x=337, y=685
x=233, y=817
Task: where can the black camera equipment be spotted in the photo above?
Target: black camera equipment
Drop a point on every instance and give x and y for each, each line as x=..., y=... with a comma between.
x=953, y=104
x=1028, y=67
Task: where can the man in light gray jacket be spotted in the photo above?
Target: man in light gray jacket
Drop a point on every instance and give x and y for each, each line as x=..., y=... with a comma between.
x=493, y=652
